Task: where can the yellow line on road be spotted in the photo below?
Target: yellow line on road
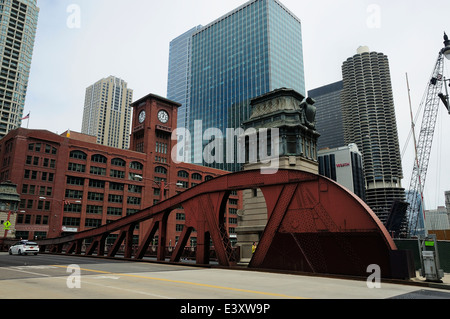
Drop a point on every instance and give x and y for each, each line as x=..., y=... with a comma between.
x=190, y=283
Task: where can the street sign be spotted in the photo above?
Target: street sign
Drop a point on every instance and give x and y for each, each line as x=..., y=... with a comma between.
x=7, y=225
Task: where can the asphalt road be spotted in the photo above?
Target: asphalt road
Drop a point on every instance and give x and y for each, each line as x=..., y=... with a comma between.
x=77, y=278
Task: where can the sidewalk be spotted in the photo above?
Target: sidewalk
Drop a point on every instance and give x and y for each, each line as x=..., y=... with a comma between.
x=420, y=281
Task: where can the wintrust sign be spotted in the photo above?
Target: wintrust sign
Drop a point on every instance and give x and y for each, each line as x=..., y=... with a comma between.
x=343, y=165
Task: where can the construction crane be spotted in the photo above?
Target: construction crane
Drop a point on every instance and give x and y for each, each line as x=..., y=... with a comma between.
x=433, y=95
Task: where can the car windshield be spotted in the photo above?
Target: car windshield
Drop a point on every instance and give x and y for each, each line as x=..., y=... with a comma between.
x=30, y=244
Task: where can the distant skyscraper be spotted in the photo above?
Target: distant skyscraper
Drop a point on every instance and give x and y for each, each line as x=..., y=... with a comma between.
x=250, y=51
x=370, y=123
x=329, y=115
x=19, y=20
x=107, y=112
x=344, y=166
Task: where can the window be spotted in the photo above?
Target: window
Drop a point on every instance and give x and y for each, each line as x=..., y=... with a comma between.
x=96, y=184
x=93, y=209
x=71, y=221
x=97, y=158
x=183, y=174
x=115, y=198
x=72, y=208
x=75, y=194
x=118, y=162
x=93, y=222
x=116, y=173
x=183, y=184
x=116, y=186
x=135, y=189
x=197, y=177
x=44, y=191
x=160, y=170
x=78, y=155
x=98, y=171
x=95, y=196
x=114, y=211
x=81, y=168
x=43, y=205
x=137, y=166
x=134, y=200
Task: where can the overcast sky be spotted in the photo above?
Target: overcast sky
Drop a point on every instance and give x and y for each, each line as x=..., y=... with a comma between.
x=79, y=42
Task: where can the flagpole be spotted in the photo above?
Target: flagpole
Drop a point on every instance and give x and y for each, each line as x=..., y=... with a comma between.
x=28, y=119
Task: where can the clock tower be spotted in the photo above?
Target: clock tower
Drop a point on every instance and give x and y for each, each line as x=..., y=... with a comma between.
x=154, y=120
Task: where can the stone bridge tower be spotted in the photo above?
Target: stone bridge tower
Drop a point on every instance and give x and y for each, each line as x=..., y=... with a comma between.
x=294, y=118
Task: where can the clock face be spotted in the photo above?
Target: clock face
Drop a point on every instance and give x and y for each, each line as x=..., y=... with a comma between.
x=142, y=117
x=163, y=116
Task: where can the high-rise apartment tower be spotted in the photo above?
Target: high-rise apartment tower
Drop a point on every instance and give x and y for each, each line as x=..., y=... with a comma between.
x=370, y=123
x=250, y=51
x=19, y=20
x=107, y=112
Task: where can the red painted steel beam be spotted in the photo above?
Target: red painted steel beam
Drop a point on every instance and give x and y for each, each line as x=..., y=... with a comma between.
x=147, y=239
x=279, y=199
x=181, y=245
x=299, y=205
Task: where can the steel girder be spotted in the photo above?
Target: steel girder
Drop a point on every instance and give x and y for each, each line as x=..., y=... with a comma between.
x=314, y=225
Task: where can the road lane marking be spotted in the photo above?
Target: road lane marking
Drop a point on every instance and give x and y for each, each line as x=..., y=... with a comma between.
x=127, y=290
x=192, y=284
x=26, y=272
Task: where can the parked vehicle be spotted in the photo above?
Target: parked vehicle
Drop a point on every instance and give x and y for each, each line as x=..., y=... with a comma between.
x=24, y=247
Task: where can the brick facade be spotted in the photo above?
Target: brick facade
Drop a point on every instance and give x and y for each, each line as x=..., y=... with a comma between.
x=69, y=184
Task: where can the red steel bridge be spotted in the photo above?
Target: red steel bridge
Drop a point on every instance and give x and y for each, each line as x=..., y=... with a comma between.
x=314, y=225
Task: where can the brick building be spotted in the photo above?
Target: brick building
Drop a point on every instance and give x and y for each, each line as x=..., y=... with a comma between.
x=68, y=183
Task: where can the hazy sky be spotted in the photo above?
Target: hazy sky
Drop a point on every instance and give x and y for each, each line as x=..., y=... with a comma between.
x=80, y=42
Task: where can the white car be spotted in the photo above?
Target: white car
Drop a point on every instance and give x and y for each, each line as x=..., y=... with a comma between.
x=24, y=247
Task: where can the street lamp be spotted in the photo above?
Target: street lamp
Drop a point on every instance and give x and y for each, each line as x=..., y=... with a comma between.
x=162, y=186
x=55, y=225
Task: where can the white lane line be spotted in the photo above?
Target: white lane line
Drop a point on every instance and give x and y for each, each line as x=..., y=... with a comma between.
x=26, y=272
x=83, y=281
x=126, y=290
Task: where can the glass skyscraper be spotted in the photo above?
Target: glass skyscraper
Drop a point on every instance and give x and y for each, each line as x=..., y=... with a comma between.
x=329, y=115
x=248, y=52
x=18, y=20
x=178, y=84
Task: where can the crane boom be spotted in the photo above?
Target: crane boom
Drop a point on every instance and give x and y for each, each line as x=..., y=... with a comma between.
x=430, y=104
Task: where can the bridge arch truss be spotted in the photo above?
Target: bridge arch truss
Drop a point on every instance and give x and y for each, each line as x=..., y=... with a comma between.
x=314, y=225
